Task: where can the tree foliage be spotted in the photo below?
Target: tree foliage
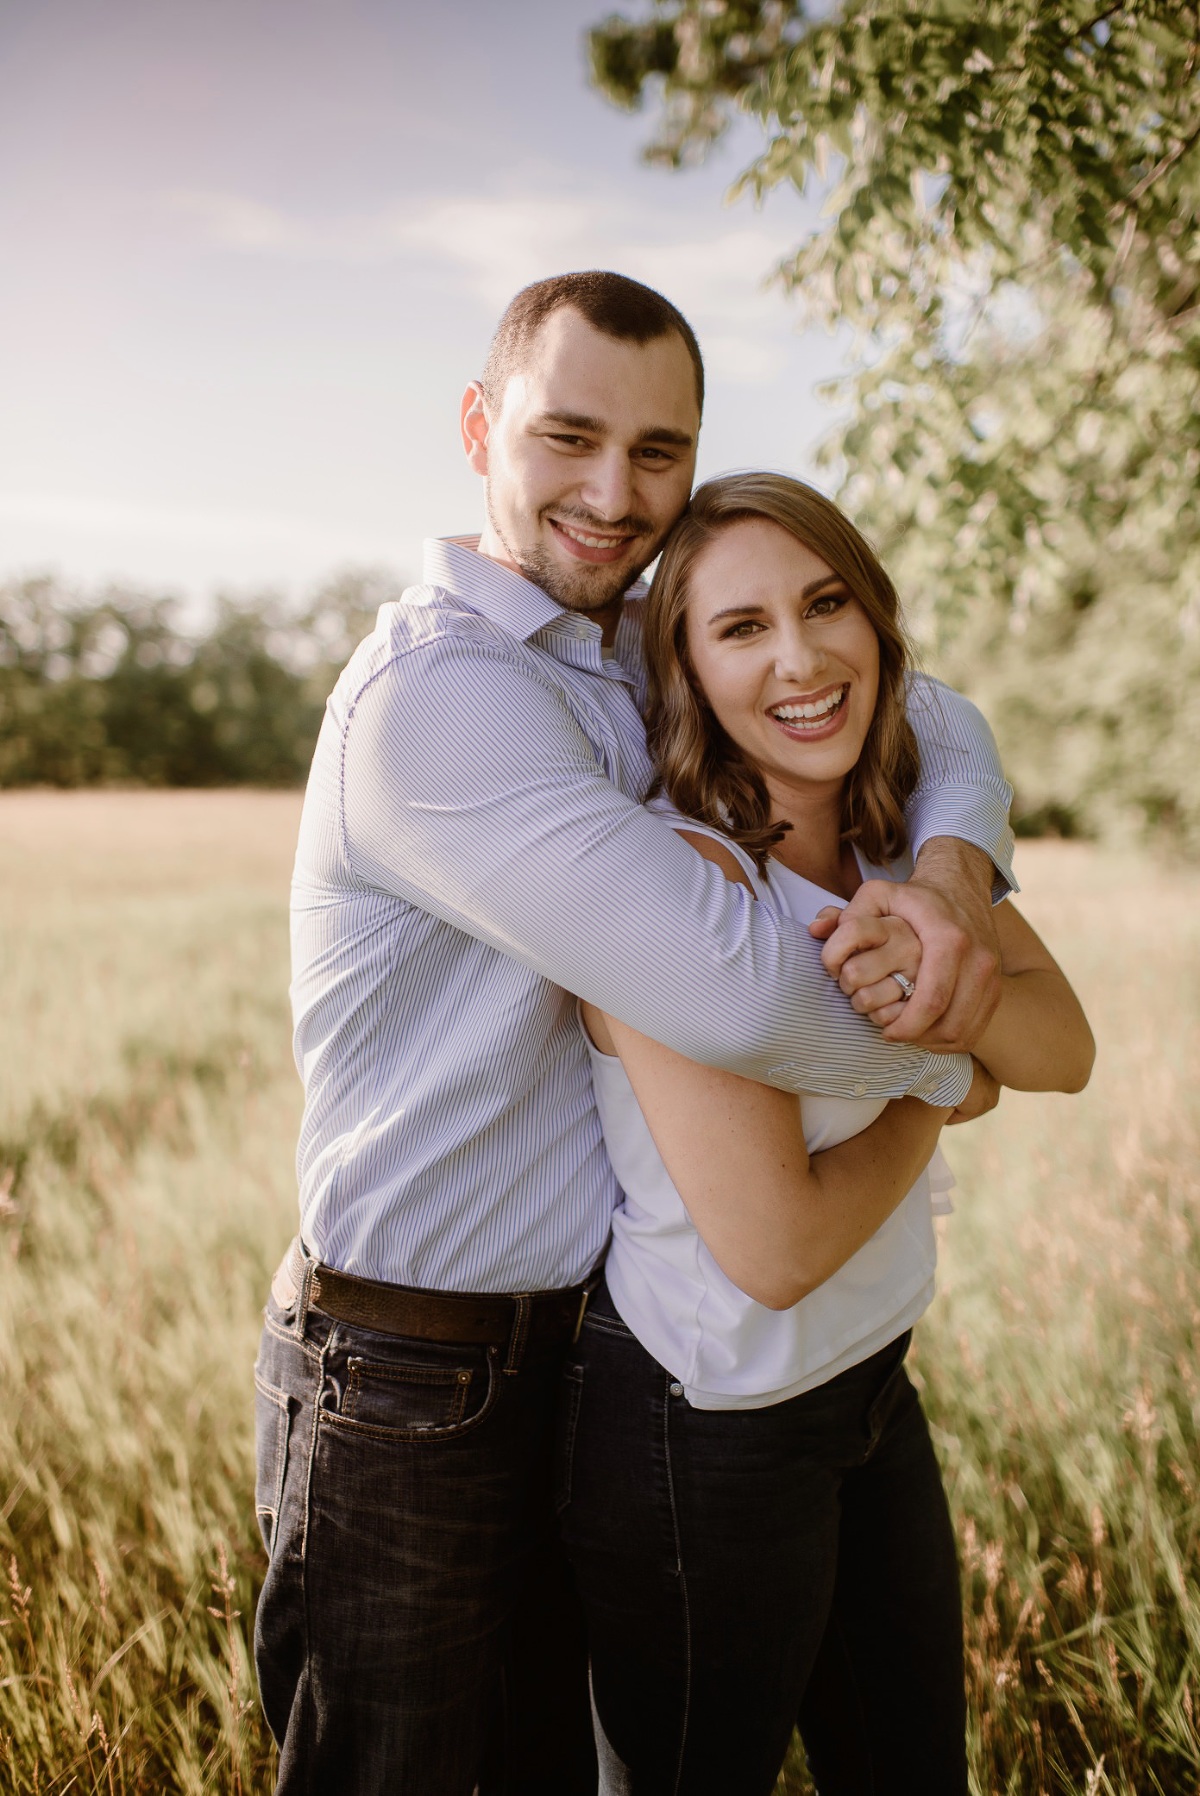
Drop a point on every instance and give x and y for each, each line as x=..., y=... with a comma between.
x=1010, y=227
x=112, y=688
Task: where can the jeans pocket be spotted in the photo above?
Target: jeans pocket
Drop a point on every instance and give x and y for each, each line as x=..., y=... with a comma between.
x=271, y=1417
x=429, y=1394
x=566, y=1421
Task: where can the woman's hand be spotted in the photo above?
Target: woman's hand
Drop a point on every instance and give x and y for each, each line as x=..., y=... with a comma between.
x=888, y=945
x=984, y=1095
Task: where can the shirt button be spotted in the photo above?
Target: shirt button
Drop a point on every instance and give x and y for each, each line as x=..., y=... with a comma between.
x=676, y=1390
x=859, y=1088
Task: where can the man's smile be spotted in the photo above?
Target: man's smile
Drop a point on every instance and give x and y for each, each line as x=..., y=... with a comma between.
x=591, y=545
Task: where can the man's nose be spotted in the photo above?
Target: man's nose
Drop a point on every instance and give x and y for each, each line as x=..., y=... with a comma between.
x=608, y=489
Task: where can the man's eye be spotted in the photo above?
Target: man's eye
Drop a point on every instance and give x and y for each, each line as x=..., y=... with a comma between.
x=568, y=441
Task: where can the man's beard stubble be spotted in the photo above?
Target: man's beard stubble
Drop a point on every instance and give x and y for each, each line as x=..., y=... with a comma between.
x=589, y=590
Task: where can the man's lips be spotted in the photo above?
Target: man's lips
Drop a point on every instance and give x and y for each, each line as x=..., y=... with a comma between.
x=591, y=545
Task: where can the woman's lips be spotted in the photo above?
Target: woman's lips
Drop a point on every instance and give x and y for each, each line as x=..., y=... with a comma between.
x=815, y=729
x=591, y=545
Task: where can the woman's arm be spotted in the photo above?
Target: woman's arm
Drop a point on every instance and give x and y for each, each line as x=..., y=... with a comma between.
x=1039, y=1039
x=777, y=1222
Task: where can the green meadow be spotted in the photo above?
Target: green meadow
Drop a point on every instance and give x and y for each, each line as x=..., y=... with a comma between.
x=148, y=1109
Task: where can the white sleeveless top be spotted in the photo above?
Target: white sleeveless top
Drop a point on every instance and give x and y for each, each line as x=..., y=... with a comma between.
x=727, y=1351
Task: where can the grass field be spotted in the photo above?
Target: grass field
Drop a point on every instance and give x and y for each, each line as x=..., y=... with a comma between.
x=148, y=1109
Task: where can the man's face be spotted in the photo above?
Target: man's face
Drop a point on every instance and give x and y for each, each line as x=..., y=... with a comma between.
x=588, y=460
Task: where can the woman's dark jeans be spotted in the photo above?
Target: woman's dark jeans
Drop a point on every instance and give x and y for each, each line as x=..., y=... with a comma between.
x=417, y=1630
x=745, y=1570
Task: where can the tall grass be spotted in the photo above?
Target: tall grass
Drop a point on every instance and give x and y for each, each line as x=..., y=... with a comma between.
x=147, y=1122
x=149, y=1119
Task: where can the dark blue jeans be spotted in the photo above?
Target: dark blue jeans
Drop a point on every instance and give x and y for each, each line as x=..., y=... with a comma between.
x=742, y=1570
x=417, y=1630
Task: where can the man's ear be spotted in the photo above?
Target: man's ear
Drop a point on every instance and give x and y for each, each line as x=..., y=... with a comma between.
x=475, y=424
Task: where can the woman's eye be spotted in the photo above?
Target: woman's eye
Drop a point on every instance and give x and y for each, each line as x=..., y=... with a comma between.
x=747, y=627
x=828, y=604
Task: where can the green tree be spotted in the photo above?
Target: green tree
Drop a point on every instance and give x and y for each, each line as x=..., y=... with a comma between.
x=113, y=688
x=1013, y=191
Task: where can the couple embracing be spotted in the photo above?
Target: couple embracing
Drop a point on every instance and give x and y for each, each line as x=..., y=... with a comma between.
x=643, y=944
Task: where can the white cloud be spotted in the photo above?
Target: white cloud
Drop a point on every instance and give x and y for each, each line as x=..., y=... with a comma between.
x=715, y=271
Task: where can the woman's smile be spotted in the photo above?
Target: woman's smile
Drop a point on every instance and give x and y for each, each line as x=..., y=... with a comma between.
x=816, y=716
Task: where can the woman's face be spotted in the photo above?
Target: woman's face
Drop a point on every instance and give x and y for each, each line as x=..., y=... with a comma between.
x=785, y=655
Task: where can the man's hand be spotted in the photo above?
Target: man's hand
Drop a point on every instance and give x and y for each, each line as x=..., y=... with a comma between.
x=947, y=904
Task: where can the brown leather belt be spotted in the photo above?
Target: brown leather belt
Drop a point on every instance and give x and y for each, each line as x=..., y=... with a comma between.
x=468, y=1318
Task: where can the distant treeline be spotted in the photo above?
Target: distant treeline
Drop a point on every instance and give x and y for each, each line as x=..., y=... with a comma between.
x=113, y=688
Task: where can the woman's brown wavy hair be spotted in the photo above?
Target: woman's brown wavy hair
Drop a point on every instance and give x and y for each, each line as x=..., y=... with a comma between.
x=704, y=773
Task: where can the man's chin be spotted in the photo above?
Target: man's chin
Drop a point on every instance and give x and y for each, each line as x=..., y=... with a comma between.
x=580, y=588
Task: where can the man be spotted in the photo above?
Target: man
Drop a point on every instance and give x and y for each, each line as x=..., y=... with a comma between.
x=464, y=863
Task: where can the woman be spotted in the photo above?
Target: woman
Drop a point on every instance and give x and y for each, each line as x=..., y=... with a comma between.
x=749, y=1493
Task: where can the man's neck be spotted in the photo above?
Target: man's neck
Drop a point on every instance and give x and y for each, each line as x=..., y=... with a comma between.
x=607, y=617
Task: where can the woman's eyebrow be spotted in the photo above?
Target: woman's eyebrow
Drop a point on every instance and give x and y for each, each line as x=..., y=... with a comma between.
x=806, y=592
x=736, y=611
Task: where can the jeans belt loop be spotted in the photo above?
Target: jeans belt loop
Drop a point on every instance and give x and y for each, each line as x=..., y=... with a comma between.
x=520, y=1332
x=306, y=1296
x=590, y=1286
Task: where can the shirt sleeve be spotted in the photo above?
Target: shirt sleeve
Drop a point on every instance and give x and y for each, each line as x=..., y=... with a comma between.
x=962, y=790
x=469, y=789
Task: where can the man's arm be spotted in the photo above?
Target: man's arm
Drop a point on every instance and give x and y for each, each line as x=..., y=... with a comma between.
x=961, y=792
x=469, y=789
x=958, y=821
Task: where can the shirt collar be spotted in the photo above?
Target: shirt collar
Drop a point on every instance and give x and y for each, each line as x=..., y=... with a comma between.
x=508, y=599
x=515, y=603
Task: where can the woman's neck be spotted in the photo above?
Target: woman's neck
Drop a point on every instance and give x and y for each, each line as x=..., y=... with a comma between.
x=813, y=847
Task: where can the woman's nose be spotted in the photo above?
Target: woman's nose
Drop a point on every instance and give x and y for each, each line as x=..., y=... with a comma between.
x=798, y=657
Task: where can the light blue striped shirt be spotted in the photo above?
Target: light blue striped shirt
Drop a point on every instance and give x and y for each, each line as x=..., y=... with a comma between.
x=473, y=849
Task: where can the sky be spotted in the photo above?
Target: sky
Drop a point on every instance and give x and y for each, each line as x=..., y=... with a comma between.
x=256, y=248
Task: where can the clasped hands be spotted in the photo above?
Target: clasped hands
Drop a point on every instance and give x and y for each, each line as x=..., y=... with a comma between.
x=941, y=937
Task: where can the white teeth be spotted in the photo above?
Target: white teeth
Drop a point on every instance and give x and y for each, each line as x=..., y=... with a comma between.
x=591, y=542
x=815, y=708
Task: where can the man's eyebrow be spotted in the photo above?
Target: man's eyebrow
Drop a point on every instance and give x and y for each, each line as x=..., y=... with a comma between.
x=806, y=592
x=663, y=433
x=654, y=433
x=572, y=420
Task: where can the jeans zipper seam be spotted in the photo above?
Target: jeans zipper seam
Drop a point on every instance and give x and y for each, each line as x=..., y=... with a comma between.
x=682, y=1575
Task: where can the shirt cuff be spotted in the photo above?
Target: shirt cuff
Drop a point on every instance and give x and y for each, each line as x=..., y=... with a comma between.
x=974, y=816
x=943, y=1079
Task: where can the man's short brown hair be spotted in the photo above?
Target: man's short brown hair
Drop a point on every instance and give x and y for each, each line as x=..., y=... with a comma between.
x=611, y=303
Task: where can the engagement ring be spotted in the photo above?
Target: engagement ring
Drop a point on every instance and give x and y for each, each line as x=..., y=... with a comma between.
x=906, y=986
